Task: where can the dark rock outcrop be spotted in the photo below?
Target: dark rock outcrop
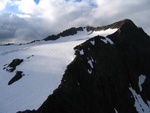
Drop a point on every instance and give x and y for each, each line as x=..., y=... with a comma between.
x=99, y=79
x=67, y=32
x=12, y=66
x=118, y=24
x=18, y=75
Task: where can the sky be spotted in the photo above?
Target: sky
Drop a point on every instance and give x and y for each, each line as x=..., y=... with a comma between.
x=27, y=20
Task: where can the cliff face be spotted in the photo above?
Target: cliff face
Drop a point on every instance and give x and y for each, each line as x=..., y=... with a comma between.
x=108, y=75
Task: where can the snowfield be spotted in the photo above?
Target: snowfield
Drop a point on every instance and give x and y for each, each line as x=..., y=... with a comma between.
x=43, y=66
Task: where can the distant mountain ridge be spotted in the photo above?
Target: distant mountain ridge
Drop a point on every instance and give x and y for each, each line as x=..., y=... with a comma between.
x=67, y=32
x=73, y=30
x=108, y=75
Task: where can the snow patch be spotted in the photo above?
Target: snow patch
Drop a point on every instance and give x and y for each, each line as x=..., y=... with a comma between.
x=140, y=105
x=82, y=52
x=115, y=110
x=91, y=64
x=141, y=81
x=78, y=83
x=93, y=42
x=107, y=40
x=90, y=71
x=105, y=32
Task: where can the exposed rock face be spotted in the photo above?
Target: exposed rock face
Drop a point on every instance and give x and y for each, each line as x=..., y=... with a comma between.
x=105, y=75
x=68, y=32
x=18, y=75
x=111, y=26
x=12, y=66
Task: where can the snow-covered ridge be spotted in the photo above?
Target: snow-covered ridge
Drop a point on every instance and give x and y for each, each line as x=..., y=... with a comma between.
x=43, y=71
x=85, y=34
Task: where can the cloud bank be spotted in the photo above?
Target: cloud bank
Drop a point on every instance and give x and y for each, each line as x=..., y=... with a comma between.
x=25, y=20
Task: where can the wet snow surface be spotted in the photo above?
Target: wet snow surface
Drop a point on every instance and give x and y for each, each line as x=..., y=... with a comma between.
x=43, y=66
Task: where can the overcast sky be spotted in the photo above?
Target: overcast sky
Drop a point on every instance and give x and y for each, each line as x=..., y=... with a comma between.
x=26, y=20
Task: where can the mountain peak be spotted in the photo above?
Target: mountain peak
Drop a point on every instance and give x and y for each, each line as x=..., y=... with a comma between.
x=127, y=32
x=119, y=24
x=124, y=22
x=125, y=25
x=108, y=74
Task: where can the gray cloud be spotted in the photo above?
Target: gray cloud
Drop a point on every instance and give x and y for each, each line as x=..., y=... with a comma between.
x=52, y=17
x=14, y=28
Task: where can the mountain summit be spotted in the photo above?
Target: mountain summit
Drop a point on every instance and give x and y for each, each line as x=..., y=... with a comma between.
x=109, y=73
x=72, y=31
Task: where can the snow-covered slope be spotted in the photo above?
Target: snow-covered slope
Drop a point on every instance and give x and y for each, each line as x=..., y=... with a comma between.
x=43, y=65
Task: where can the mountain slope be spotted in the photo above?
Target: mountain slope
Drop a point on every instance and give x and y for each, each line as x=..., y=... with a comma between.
x=30, y=72
x=108, y=75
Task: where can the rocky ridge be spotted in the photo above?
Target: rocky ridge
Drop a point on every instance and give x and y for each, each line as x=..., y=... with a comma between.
x=108, y=75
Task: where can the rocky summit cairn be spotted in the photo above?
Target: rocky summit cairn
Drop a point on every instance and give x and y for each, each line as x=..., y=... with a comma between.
x=108, y=75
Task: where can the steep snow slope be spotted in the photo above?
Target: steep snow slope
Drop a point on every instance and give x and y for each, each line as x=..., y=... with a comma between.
x=43, y=66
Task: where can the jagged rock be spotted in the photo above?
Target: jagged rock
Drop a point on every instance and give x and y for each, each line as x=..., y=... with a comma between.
x=67, y=32
x=104, y=77
x=19, y=75
x=12, y=66
x=111, y=26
